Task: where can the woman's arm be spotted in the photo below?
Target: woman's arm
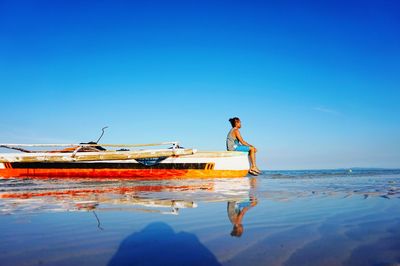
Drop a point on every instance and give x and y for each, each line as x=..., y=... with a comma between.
x=241, y=140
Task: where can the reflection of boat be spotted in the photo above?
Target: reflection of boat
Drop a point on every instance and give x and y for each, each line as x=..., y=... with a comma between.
x=94, y=161
x=139, y=195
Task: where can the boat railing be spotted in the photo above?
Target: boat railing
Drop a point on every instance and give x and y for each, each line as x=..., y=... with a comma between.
x=173, y=143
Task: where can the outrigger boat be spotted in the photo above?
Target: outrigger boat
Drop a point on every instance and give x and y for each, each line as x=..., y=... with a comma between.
x=119, y=161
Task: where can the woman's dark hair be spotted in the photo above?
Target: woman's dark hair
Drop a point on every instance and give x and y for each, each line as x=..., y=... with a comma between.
x=237, y=230
x=233, y=121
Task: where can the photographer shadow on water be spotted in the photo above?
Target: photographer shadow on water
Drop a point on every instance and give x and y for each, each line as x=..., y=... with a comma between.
x=158, y=244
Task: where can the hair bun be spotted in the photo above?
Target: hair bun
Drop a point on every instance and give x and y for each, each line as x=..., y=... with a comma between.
x=233, y=121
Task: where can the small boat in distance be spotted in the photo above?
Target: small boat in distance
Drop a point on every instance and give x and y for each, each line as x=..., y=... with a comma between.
x=119, y=161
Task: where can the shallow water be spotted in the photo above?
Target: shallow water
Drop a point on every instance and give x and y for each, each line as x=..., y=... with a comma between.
x=280, y=218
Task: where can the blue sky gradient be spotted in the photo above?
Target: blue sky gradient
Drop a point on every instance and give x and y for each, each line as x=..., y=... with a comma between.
x=316, y=84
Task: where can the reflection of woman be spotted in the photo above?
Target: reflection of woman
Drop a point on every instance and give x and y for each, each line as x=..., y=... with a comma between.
x=236, y=212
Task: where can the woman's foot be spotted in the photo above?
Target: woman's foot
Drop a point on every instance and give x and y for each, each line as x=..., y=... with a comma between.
x=255, y=169
x=252, y=172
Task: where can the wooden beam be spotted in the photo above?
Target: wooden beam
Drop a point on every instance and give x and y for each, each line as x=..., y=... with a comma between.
x=93, y=156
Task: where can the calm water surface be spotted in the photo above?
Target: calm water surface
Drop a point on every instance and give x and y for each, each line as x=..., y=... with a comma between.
x=279, y=218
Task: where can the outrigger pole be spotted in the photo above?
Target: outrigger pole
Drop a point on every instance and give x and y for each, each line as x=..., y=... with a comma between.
x=174, y=143
x=6, y=146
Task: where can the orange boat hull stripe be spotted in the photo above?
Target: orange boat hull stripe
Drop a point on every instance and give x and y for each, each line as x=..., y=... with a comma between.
x=119, y=173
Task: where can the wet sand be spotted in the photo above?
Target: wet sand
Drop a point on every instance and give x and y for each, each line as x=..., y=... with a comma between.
x=279, y=218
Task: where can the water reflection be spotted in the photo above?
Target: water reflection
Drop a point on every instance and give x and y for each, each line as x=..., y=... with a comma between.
x=236, y=211
x=303, y=220
x=163, y=197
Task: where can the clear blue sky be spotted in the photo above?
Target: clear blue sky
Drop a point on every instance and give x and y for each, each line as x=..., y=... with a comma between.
x=316, y=84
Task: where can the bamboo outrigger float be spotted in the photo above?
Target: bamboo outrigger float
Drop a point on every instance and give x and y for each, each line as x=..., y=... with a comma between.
x=92, y=160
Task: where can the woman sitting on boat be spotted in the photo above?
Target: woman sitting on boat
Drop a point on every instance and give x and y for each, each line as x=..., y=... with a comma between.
x=235, y=142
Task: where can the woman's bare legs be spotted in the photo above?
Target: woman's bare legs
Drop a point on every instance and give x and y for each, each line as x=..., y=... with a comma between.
x=253, y=163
